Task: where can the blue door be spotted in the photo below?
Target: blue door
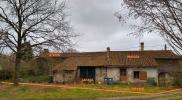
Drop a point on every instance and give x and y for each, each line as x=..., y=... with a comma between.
x=87, y=72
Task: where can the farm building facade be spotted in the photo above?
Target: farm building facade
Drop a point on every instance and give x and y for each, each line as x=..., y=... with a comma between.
x=120, y=66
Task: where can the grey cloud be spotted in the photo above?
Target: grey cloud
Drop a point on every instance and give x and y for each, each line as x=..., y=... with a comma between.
x=99, y=28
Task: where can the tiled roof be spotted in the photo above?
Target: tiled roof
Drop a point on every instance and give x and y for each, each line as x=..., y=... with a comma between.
x=73, y=62
x=121, y=59
x=116, y=58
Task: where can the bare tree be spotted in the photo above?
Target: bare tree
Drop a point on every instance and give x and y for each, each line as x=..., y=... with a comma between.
x=41, y=22
x=157, y=16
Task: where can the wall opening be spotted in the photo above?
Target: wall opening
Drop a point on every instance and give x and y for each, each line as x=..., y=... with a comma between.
x=87, y=72
x=136, y=75
x=123, y=74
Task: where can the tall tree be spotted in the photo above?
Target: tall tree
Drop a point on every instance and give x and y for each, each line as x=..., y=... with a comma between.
x=42, y=23
x=27, y=53
x=160, y=16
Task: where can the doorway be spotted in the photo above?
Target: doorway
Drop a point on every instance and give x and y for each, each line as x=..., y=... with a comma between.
x=123, y=74
x=87, y=73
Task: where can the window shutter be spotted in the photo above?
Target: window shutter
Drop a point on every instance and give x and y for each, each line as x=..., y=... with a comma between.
x=143, y=75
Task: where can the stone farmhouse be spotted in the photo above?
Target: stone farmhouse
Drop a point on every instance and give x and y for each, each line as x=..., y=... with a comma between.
x=120, y=66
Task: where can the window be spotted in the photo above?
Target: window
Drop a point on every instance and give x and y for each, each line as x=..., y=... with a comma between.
x=136, y=74
x=123, y=72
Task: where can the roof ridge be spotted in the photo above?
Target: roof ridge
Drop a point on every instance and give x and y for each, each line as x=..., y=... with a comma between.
x=110, y=51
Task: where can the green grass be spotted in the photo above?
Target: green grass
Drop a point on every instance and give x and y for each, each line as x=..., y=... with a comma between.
x=123, y=86
x=176, y=97
x=9, y=92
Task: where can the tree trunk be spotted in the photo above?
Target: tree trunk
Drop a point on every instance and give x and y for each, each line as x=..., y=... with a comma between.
x=16, y=68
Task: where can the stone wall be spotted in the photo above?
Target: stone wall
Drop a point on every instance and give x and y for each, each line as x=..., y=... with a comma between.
x=65, y=76
x=58, y=77
x=151, y=73
x=69, y=76
x=113, y=73
x=100, y=74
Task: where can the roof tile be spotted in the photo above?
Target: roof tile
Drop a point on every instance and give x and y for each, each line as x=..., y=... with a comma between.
x=116, y=58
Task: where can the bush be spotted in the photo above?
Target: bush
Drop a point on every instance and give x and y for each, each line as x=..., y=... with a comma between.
x=5, y=75
x=35, y=79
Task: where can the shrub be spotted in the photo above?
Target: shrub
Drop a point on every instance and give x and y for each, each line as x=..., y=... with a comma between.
x=5, y=75
x=35, y=79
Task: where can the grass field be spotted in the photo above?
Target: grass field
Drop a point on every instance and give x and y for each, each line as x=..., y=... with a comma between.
x=9, y=92
x=123, y=86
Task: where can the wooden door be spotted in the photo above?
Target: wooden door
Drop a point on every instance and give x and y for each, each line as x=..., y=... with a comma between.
x=123, y=74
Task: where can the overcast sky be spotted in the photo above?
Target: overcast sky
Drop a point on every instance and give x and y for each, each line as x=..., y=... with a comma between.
x=94, y=20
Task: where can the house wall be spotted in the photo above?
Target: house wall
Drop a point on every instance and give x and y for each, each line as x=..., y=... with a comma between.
x=151, y=73
x=65, y=76
x=69, y=76
x=169, y=66
x=58, y=77
x=100, y=74
x=113, y=73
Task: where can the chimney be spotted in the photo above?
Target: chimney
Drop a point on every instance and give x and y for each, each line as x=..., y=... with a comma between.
x=165, y=47
x=142, y=46
x=45, y=52
x=108, y=55
x=108, y=49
